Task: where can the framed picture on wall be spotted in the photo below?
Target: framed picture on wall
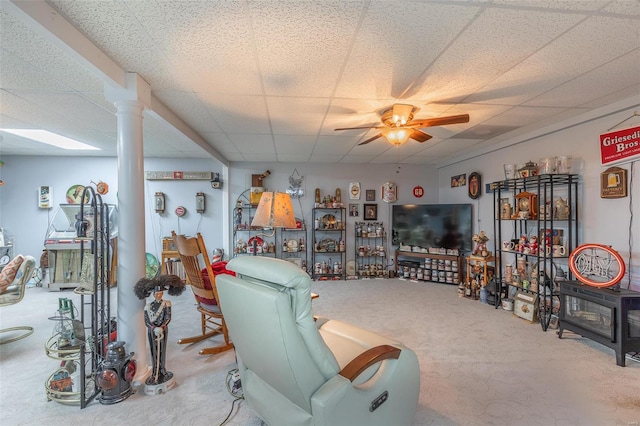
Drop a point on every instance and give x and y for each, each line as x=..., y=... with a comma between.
x=353, y=210
x=370, y=195
x=459, y=180
x=370, y=212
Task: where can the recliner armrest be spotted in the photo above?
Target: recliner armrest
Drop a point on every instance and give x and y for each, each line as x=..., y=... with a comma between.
x=367, y=359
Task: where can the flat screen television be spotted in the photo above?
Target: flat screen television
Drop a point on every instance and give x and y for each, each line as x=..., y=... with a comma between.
x=432, y=225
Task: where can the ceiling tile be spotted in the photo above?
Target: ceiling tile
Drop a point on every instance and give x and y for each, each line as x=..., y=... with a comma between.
x=575, y=5
x=301, y=46
x=250, y=143
x=395, y=45
x=294, y=144
x=259, y=157
x=267, y=80
x=494, y=43
x=325, y=158
x=237, y=114
x=300, y=116
x=628, y=8
x=333, y=145
x=293, y=158
x=190, y=108
x=626, y=68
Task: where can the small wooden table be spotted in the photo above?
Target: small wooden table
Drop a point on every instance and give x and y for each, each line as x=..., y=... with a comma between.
x=483, y=262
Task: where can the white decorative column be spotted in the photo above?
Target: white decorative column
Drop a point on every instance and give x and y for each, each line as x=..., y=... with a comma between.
x=130, y=104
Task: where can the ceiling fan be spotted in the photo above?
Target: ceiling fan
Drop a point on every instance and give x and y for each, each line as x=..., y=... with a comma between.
x=398, y=127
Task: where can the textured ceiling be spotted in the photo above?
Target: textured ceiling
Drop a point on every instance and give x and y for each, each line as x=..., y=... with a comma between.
x=271, y=80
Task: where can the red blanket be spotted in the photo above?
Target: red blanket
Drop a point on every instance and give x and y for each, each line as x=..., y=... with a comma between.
x=218, y=268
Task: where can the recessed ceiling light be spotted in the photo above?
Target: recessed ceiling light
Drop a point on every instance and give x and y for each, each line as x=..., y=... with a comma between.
x=49, y=138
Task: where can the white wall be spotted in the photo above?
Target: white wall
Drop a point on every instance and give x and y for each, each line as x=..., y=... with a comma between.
x=20, y=215
x=603, y=221
x=328, y=177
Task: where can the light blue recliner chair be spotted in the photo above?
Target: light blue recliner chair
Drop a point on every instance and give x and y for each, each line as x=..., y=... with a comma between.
x=297, y=371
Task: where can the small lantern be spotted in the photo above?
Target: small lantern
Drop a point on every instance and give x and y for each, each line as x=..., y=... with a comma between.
x=115, y=374
x=529, y=169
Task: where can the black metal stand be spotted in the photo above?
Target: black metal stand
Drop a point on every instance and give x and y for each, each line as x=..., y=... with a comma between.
x=92, y=354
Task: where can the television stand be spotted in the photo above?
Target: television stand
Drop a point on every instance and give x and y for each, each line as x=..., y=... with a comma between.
x=439, y=268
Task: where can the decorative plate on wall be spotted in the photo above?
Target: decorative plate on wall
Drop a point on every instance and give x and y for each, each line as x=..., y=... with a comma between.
x=152, y=266
x=74, y=195
x=475, y=185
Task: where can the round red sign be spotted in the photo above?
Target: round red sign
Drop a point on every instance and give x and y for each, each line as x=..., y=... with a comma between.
x=418, y=191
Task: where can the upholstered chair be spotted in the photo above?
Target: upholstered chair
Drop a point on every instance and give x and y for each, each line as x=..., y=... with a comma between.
x=299, y=370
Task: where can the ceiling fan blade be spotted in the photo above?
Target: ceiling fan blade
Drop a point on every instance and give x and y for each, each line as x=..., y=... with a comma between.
x=440, y=121
x=420, y=136
x=373, y=126
x=371, y=139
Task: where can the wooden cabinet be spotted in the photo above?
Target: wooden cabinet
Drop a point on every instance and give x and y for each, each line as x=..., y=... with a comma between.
x=170, y=260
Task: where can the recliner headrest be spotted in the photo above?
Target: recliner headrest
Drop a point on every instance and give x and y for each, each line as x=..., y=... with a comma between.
x=276, y=271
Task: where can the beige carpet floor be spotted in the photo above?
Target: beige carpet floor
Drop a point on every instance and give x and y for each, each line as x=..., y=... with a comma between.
x=479, y=365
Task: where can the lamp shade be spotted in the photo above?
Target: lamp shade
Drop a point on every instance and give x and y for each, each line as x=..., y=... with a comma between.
x=274, y=211
x=397, y=135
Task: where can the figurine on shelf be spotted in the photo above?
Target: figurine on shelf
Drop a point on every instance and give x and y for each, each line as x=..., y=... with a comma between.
x=238, y=217
x=481, y=244
x=157, y=315
x=218, y=255
x=524, y=244
x=533, y=245
x=561, y=211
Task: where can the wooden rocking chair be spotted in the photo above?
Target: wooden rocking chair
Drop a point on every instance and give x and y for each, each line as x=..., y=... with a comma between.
x=193, y=255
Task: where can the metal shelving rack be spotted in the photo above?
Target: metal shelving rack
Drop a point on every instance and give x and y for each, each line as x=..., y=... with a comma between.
x=244, y=234
x=94, y=313
x=295, y=253
x=370, y=250
x=329, y=245
x=547, y=224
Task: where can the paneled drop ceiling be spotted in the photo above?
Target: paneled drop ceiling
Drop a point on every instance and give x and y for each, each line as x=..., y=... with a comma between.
x=271, y=80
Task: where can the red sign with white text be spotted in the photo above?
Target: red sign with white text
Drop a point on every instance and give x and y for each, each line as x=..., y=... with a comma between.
x=620, y=146
x=418, y=191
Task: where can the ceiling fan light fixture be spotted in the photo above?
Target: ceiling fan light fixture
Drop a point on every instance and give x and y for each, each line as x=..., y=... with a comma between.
x=402, y=113
x=397, y=135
